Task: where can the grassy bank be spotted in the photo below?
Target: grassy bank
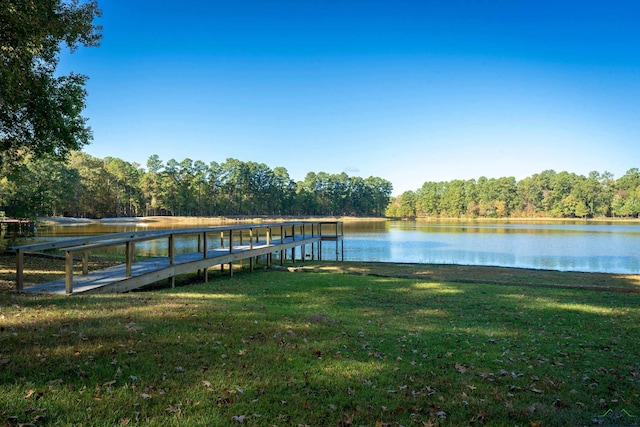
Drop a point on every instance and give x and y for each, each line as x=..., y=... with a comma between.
x=391, y=345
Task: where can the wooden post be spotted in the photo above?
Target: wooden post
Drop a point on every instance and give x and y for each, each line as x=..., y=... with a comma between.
x=127, y=257
x=68, y=269
x=269, y=244
x=293, y=249
x=281, y=241
x=231, y=251
x=251, y=248
x=171, y=248
x=312, y=245
x=302, y=248
x=222, y=239
x=172, y=279
x=199, y=250
x=85, y=262
x=19, y=270
x=205, y=245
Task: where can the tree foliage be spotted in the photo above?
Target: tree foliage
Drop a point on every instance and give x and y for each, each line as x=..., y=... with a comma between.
x=547, y=194
x=89, y=187
x=40, y=113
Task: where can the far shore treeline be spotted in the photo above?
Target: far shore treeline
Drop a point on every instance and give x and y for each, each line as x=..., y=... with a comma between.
x=544, y=195
x=90, y=187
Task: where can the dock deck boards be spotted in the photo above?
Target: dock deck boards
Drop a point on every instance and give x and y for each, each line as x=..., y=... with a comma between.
x=145, y=272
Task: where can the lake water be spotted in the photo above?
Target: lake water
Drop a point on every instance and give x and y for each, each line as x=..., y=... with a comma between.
x=607, y=248
x=566, y=246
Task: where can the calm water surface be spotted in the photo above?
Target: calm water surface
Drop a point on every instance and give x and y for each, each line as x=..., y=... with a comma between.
x=571, y=246
x=610, y=248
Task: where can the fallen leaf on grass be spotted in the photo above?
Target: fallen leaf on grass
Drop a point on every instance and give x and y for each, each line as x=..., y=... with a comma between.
x=224, y=401
x=173, y=409
x=346, y=421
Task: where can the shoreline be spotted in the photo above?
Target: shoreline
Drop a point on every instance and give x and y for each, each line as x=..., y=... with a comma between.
x=53, y=268
x=158, y=219
x=223, y=220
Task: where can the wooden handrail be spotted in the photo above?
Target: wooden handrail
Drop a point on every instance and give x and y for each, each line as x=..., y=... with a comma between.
x=129, y=239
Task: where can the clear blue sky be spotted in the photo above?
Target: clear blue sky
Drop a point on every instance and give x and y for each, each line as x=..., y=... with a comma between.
x=410, y=91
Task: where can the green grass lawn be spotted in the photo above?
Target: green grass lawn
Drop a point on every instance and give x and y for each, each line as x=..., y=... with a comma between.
x=321, y=349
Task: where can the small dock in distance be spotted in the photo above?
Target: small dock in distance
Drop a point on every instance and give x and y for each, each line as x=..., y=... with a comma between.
x=216, y=246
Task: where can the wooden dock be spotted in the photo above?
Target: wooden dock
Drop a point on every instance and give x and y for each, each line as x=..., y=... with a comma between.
x=216, y=246
x=16, y=224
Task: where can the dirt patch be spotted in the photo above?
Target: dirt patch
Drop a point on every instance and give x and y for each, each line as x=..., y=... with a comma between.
x=321, y=318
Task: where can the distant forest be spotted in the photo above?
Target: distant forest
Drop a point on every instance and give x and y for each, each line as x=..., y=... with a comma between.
x=89, y=187
x=546, y=194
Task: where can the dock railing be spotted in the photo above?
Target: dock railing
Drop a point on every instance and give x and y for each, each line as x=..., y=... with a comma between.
x=233, y=241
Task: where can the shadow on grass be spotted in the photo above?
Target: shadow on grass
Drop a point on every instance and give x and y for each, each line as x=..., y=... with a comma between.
x=482, y=274
x=321, y=349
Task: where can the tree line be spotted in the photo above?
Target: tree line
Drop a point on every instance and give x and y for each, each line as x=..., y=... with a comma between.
x=89, y=187
x=546, y=194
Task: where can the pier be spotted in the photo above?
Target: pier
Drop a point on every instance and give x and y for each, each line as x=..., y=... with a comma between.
x=216, y=246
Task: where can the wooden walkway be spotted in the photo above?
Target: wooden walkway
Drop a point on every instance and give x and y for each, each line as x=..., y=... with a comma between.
x=216, y=246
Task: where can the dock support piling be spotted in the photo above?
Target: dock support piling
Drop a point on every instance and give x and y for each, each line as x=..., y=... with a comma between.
x=68, y=270
x=85, y=262
x=19, y=270
x=172, y=279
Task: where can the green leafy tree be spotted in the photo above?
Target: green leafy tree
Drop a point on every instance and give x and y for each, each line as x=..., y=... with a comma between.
x=403, y=206
x=150, y=185
x=428, y=198
x=453, y=198
x=40, y=113
x=306, y=195
x=284, y=191
x=381, y=193
x=93, y=196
